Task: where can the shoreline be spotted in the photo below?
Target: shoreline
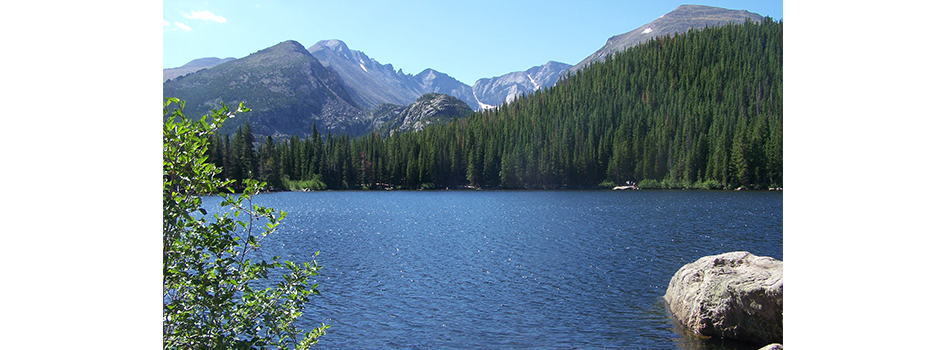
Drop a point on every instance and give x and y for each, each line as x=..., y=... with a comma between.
x=779, y=189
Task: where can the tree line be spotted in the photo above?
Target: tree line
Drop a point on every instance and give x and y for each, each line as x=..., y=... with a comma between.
x=701, y=109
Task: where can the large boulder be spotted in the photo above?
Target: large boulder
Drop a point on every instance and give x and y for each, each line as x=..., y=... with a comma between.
x=733, y=295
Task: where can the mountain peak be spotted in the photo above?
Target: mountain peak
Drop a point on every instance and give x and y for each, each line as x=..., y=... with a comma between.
x=702, y=11
x=280, y=83
x=289, y=45
x=334, y=45
x=495, y=91
x=206, y=62
x=680, y=20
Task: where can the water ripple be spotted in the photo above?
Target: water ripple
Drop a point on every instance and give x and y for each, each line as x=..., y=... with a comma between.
x=519, y=269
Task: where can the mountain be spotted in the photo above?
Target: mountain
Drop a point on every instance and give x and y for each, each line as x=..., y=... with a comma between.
x=680, y=20
x=193, y=66
x=371, y=83
x=340, y=89
x=428, y=109
x=286, y=88
x=368, y=82
x=434, y=81
x=654, y=114
x=382, y=116
x=491, y=92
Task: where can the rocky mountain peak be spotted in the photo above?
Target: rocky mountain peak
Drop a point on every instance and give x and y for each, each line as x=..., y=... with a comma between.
x=286, y=88
x=430, y=108
x=289, y=46
x=496, y=91
x=334, y=45
x=680, y=20
x=708, y=12
x=206, y=62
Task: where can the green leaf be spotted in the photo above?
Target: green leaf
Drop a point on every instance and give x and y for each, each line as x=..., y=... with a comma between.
x=205, y=274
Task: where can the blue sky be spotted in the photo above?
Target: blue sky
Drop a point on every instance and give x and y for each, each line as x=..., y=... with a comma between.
x=467, y=40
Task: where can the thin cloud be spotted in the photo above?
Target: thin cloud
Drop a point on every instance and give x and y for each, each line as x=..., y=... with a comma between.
x=165, y=23
x=205, y=15
x=183, y=26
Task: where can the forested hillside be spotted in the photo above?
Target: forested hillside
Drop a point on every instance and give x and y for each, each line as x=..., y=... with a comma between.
x=698, y=110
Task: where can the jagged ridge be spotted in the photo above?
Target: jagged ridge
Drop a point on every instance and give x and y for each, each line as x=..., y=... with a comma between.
x=496, y=91
x=286, y=88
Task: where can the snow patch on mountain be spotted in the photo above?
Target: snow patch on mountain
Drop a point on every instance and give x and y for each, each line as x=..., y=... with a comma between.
x=534, y=82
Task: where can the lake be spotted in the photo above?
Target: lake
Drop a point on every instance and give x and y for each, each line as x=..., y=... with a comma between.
x=512, y=269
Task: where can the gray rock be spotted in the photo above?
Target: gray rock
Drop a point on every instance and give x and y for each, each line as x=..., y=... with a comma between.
x=193, y=66
x=371, y=83
x=496, y=91
x=734, y=295
x=680, y=20
x=430, y=108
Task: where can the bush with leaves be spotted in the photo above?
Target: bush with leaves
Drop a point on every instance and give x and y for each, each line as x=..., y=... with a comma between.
x=214, y=296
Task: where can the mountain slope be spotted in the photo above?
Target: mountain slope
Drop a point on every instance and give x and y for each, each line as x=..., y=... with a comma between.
x=193, y=66
x=702, y=110
x=680, y=20
x=382, y=116
x=431, y=80
x=491, y=92
x=368, y=82
x=371, y=83
x=285, y=87
x=429, y=108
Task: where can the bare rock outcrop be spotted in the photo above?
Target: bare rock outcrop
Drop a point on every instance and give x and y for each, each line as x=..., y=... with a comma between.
x=734, y=295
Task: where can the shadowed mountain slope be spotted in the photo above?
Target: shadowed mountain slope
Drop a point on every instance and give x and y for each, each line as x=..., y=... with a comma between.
x=286, y=88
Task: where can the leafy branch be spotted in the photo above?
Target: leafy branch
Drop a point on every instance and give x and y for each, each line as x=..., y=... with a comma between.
x=213, y=295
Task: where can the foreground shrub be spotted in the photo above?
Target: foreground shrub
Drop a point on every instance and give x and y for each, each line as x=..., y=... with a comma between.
x=214, y=294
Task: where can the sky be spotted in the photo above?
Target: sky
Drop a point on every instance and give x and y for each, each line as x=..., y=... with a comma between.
x=465, y=39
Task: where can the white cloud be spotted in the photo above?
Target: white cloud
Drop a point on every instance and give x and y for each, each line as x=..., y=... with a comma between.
x=205, y=15
x=183, y=26
x=165, y=23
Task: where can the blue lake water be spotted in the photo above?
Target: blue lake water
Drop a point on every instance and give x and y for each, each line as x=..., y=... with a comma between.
x=512, y=269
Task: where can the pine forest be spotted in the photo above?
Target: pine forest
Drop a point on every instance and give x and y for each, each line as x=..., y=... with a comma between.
x=696, y=110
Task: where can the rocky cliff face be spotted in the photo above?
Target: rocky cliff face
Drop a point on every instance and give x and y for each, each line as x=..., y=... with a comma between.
x=381, y=117
x=428, y=109
x=371, y=83
x=680, y=20
x=434, y=81
x=285, y=87
x=491, y=92
x=367, y=81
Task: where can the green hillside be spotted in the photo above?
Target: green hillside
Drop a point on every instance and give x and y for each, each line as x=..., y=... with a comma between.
x=699, y=110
